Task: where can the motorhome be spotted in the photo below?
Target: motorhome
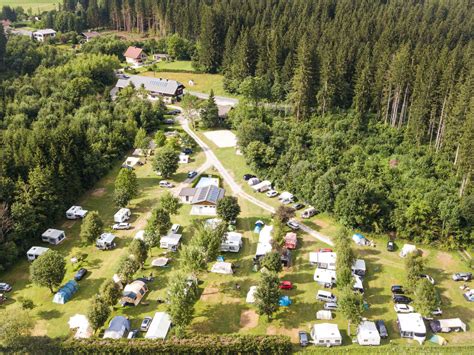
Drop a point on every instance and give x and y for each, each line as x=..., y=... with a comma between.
x=309, y=212
x=76, y=212
x=122, y=215
x=232, y=242
x=53, y=236
x=106, y=241
x=35, y=252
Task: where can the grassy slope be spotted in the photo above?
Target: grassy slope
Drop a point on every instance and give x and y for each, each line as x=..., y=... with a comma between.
x=36, y=6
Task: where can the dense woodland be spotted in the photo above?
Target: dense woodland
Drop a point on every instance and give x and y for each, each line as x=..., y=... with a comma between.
x=60, y=133
x=382, y=128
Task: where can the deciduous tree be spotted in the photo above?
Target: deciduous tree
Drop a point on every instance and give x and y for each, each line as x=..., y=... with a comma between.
x=272, y=262
x=351, y=305
x=126, y=187
x=170, y=203
x=15, y=325
x=91, y=227
x=228, y=208
x=48, y=270
x=268, y=293
x=109, y=292
x=98, y=313
x=165, y=161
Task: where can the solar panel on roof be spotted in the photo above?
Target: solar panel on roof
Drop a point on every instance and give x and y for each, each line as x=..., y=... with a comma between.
x=213, y=194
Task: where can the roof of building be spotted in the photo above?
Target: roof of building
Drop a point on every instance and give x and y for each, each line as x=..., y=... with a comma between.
x=90, y=34
x=46, y=31
x=52, y=233
x=210, y=194
x=133, y=52
x=159, y=85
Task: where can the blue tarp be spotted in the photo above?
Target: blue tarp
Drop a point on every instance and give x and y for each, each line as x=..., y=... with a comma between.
x=66, y=292
x=284, y=301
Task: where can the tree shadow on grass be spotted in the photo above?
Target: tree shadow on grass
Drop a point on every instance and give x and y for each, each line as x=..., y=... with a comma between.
x=88, y=288
x=51, y=314
x=93, y=264
x=142, y=207
x=297, y=314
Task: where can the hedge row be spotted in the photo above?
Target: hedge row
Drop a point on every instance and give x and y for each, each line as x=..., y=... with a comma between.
x=202, y=344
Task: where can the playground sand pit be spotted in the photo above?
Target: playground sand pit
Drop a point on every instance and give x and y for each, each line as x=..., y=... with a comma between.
x=222, y=138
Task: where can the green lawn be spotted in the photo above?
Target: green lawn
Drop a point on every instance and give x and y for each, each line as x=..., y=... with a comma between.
x=37, y=6
x=202, y=82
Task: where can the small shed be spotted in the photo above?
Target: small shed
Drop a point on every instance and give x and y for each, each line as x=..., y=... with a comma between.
x=326, y=334
x=251, y=294
x=118, y=327
x=66, y=292
x=53, y=236
x=221, y=267
x=407, y=249
x=159, y=327
x=291, y=240
x=359, y=239
x=133, y=293
x=367, y=334
x=35, y=252
x=183, y=158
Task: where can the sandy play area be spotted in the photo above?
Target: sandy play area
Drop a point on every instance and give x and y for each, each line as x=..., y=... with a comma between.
x=222, y=138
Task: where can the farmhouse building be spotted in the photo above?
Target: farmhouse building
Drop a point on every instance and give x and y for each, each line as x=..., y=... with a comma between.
x=203, y=199
x=168, y=90
x=135, y=56
x=44, y=35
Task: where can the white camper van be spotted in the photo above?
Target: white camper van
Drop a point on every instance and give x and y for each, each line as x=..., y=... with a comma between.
x=53, y=236
x=122, y=215
x=35, y=252
x=106, y=241
x=76, y=212
x=309, y=212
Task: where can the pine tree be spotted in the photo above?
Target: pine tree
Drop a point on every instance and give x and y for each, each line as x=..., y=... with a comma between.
x=210, y=41
x=210, y=113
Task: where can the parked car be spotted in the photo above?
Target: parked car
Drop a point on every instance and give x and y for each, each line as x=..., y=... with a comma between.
x=192, y=174
x=297, y=206
x=247, y=177
x=121, y=226
x=146, y=323
x=330, y=306
x=164, y=183
x=187, y=151
x=437, y=312
x=286, y=285
x=293, y=225
x=401, y=299
x=380, y=324
x=287, y=201
x=397, y=290
x=428, y=277
x=4, y=287
x=403, y=308
x=173, y=112
x=80, y=274
x=303, y=338
x=326, y=296
x=462, y=276
x=133, y=334
x=175, y=228
x=324, y=250
x=168, y=121
x=272, y=193
x=390, y=245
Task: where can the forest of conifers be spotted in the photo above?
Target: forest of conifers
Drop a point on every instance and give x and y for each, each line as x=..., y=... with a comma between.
x=381, y=134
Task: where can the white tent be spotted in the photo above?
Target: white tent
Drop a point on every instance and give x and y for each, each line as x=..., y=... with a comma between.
x=159, y=327
x=159, y=261
x=264, y=245
x=367, y=334
x=407, y=249
x=285, y=195
x=81, y=323
x=323, y=315
x=326, y=334
x=222, y=267
x=183, y=158
x=251, y=294
x=140, y=235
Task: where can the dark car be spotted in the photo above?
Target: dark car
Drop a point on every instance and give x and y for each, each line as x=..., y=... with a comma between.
x=397, y=290
x=192, y=174
x=390, y=246
x=80, y=274
x=380, y=324
x=247, y=177
x=187, y=151
x=298, y=206
x=173, y=112
x=400, y=299
x=303, y=337
x=133, y=334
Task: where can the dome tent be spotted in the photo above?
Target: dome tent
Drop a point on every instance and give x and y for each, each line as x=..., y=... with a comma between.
x=66, y=292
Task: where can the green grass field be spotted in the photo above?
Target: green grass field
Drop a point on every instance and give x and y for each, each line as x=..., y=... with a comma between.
x=37, y=6
x=221, y=308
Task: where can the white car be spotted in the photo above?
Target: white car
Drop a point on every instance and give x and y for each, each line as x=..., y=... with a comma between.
x=428, y=277
x=120, y=226
x=272, y=193
x=403, y=308
x=287, y=201
x=293, y=225
x=164, y=183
